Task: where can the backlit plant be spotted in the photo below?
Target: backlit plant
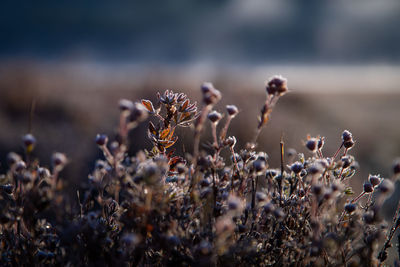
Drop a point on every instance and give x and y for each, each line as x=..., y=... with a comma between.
x=203, y=209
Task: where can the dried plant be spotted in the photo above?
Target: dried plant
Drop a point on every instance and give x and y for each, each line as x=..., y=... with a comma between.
x=157, y=208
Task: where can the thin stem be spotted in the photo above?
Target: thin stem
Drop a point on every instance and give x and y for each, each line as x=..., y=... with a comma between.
x=225, y=129
x=337, y=152
x=198, y=130
x=107, y=154
x=196, y=143
x=214, y=133
x=357, y=198
x=235, y=165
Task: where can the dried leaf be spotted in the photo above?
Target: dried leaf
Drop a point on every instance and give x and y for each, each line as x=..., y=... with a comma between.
x=164, y=133
x=149, y=105
x=184, y=105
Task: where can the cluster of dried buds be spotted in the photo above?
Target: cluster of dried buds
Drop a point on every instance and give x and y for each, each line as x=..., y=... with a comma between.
x=174, y=109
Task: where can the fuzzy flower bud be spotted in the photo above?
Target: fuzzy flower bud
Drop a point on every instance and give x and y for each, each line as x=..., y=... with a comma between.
x=214, y=116
x=232, y=110
x=101, y=139
x=276, y=85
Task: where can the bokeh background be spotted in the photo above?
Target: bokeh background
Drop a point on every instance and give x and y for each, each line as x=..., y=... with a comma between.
x=76, y=59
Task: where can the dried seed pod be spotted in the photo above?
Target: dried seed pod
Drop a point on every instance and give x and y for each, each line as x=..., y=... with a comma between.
x=374, y=179
x=259, y=165
x=13, y=158
x=214, y=116
x=346, y=161
x=29, y=141
x=296, y=167
x=312, y=144
x=20, y=166
x=276, y=85
x=43, y=173
x=230, y=141
x=368, y=187
x=346, y=136
x=59, y=160
x=348, y=144
x=125, y=104
x=350, y=207
x=210, y=95
x=101, y=139
x=232, y=110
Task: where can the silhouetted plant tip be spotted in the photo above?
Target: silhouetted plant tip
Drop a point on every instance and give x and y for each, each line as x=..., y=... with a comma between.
x=224, y=205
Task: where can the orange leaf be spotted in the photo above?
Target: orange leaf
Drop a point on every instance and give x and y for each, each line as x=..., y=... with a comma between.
x=184, y=105
x=171, y=133
x=148, y=105
x=164, y=133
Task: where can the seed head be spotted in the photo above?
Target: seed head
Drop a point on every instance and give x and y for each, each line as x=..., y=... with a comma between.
x=13, y=158
x=101, y=139
x=214, y=116
x=350, y=207
x=346, y=136
x=125, y=104
x=232, y=110
x=374, y=179
x=312, y=144
x=276, y=85
x=296, y=167
x=368, y=187
x=29, y=140
x=230, y=141
x=20, y=166
x=348, y=144
x=43, y=173
x=346, y=161
x=259, y=165
x=210, y=95
x=59, y=160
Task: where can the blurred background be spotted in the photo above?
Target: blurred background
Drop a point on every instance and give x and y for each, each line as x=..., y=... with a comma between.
x=76, y=59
